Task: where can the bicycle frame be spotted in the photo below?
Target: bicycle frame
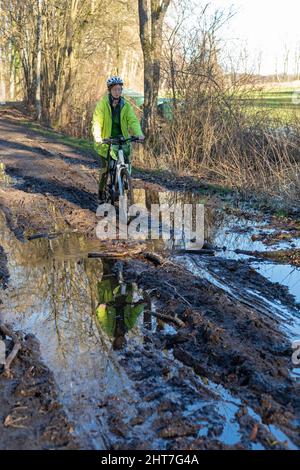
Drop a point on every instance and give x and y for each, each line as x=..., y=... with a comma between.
x=117, y=166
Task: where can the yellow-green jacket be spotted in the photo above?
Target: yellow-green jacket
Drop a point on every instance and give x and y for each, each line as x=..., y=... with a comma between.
x=102, y=123
x=106, y=311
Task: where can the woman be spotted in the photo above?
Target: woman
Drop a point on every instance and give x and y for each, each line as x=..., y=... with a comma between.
x=113, y=117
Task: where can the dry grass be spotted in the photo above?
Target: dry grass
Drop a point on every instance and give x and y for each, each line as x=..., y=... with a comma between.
x=214, y=138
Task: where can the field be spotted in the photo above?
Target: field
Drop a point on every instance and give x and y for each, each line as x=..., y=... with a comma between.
x=280, y=101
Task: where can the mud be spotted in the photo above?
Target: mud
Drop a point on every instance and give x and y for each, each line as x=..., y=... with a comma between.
x=31, y=418
x=203, y=361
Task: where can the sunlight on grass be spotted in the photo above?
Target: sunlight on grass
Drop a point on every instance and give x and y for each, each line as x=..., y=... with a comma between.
x=281, y=104
x=80, y=144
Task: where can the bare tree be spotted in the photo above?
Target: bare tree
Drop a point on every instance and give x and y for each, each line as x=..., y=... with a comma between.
x=151, y=17
x=297, y=62
x=39, y=59
x=259, y=62
x=286, y=57
x=62, y=52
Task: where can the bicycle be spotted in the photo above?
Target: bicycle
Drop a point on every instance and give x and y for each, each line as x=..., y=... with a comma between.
x=118, y=180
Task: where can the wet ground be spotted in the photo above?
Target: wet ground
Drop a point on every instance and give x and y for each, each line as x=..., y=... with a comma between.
x=178, y=350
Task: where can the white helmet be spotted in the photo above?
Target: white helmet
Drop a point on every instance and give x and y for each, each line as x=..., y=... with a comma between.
x=114, y=80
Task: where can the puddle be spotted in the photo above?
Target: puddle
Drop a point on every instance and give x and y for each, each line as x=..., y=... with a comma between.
x=236, y=232
x=231, y=405
x=285, y=274
x=288, y=276
x=55, y=293
x=162, y=237
x=225, y=405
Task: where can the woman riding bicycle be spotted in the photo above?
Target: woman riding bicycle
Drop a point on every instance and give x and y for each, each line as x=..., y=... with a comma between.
x=113, y=117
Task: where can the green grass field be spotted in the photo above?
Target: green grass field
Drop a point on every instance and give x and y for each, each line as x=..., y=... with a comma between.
x=280, y=103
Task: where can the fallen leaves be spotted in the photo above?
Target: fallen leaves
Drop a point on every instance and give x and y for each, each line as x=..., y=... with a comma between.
x=12, y=422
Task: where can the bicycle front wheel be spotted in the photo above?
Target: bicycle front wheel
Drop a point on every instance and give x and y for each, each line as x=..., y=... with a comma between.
x=125, y=186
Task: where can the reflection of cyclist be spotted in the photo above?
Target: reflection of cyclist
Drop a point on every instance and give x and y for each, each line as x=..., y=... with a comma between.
x=118, y=309
x=113, y=117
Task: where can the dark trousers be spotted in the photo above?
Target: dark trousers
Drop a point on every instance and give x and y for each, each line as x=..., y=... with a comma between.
x=103, y=172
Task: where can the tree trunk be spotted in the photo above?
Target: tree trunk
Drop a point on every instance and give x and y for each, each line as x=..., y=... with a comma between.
x=12, y=73
x=67, y=64
x=151, y=17
x=2, y=74
x=39, y=60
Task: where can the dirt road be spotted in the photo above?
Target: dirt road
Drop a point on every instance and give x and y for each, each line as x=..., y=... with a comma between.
x=204, y=364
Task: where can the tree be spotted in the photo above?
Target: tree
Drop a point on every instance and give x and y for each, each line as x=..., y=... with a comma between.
x=286, y=57
x=151, y=18
x=39, y=59
x=62, y=52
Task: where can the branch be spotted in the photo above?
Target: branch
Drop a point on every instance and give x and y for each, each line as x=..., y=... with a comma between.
x=17, y=346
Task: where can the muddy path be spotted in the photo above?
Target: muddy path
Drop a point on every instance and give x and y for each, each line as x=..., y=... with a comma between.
x=192, y=352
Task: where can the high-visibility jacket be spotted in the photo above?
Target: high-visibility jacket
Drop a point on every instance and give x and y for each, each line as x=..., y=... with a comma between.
x=102, y=123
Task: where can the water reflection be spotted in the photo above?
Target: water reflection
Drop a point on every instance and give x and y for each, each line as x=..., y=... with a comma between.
x=120, y=305
x=54, y=293
x=54, y=283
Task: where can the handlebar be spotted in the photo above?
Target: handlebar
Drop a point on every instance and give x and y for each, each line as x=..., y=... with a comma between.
x=121, y=140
